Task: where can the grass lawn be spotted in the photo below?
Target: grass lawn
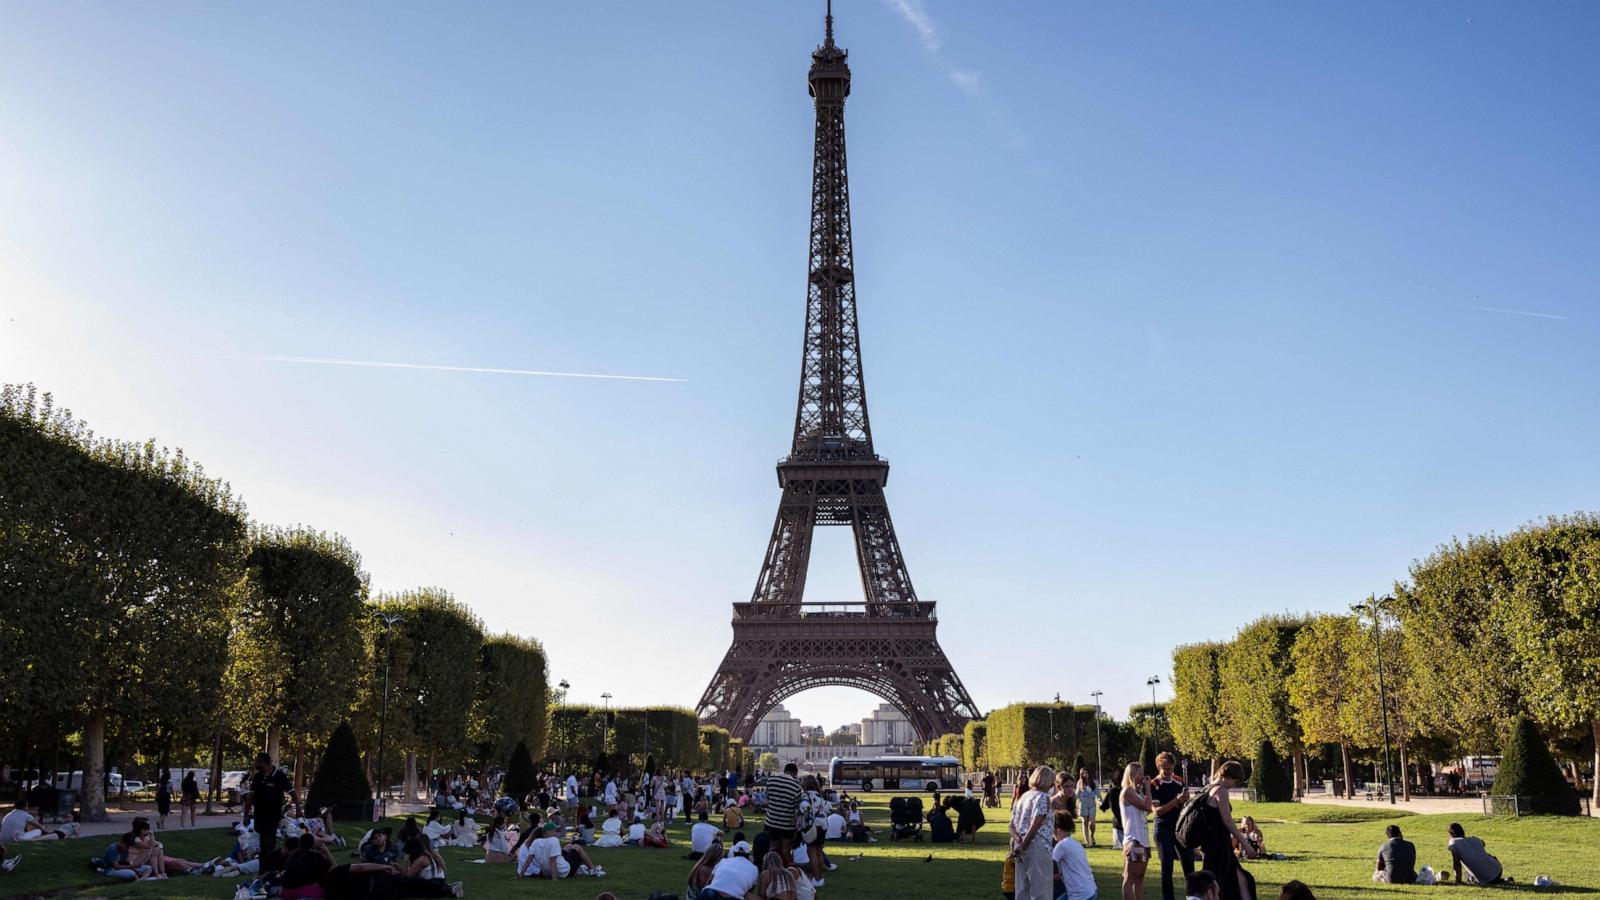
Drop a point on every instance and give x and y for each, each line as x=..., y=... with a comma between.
x=1330, y=848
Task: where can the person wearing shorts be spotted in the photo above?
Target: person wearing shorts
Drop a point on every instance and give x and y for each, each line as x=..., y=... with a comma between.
x=1135, y=805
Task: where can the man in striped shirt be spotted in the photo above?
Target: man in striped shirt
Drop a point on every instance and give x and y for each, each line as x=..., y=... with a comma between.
x=783, y=810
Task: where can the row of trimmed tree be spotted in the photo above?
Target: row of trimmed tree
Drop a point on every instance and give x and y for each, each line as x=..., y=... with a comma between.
x=144, y=619
x=1481, y=631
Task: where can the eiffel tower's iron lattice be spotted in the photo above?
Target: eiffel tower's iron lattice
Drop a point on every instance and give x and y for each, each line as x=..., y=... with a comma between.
x=885, y=645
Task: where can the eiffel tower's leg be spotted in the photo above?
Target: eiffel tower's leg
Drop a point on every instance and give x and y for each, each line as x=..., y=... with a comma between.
x=884, y=578
x=783, y=571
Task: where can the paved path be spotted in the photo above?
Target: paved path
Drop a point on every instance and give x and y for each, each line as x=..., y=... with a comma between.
x=122, y=816
x=1420, y=805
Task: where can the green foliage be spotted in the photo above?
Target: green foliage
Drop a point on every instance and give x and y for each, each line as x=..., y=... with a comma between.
x=1150, y=720
x=1195, y=712
x=1147, y=754
x=576, y=732
x=1319, y=681
x=1451, y=614
x=975, y=746
x=521, y=777
x=767, y=762
x=436, y=670
x=1528, y=770
x=513, y=693
x=1255, y=670
x=297, y=631
x=1023, y=735
x=714, y=741
x=1269, y=777
x=132, y=555
x=1552, y=617
x=340, y=782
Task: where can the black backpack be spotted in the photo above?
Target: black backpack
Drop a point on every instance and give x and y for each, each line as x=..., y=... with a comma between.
x=1193, y=826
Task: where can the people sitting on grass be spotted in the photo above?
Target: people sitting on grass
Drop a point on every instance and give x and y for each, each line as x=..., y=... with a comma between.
x=701, y=836
x=546, y=857
x=378, y=846
x=734, y=877
x=1473, y=863
x=1071, y=860
x=776, y=882
x=147, y=851
x=1397, y=859
x=610, y=829
x=243, y=860
x=20, y=825
x=732, y=816
x=635, y=836
x=114, y=862
x=940, y=829
x=498, y=841
x=700, y=874
x=1252, y=831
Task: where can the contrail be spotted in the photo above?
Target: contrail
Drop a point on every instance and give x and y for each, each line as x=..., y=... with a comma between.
x=1514, y=312
x=372, y=364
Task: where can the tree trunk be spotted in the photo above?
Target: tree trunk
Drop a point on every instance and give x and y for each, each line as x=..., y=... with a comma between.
x=1216, y=763
x=299, y=771
x=410, y=782
x=1349, y=780
x=93, y=799
x=1299, y=770
x=214, y=780
x=272, y=744
x=1594, y=798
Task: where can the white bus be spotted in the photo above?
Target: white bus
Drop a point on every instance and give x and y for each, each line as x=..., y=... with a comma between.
x=895, y=773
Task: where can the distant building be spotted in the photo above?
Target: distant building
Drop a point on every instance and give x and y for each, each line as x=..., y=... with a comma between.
x=887, y=727
x=777, y=729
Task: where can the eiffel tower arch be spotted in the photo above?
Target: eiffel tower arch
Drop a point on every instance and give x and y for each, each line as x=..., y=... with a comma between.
x=782, y=644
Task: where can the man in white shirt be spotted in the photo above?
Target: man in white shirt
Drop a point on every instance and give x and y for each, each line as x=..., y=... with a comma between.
x=1071, y=860
x=611, y=792
x=734, y=877
x=701, y=835
x=835, y=826
x=20, y=825
x=635, y=834
x=572, y=791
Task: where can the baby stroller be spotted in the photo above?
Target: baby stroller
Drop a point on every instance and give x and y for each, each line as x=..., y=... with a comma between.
x=905, y=817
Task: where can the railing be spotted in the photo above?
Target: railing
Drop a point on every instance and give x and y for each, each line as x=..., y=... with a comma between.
x=834, y=610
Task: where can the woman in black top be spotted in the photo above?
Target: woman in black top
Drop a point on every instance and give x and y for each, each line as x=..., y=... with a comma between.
x=188, y=797
x=163, y=799
x=1220, y=832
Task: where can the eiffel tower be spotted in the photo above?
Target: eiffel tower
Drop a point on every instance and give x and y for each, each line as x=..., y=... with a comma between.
x=885, y=645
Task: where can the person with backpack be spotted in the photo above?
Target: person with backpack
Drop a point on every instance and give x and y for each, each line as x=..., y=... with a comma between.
x=1206, y=824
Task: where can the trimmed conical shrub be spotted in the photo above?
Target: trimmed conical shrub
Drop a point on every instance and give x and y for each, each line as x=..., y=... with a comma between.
x=1269, y=777
x=521, y=777
x=1530, y=773
x=340, y=783
x=1078, y=765
x=1147, y=756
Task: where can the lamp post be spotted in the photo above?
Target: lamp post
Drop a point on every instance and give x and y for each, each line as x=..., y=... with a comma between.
x=605, y=738
x=561, y=700
x=388, y=620
x=1053, y=722
x=1099, y=772
x=1155, y=722
x=1383, y=700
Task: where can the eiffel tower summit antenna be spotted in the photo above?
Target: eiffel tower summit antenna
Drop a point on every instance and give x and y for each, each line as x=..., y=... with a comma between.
x=782, y=644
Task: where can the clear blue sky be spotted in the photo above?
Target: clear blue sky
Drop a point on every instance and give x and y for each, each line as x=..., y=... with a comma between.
x=1173, y=313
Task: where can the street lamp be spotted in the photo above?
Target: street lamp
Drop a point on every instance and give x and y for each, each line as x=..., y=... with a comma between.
x=605, y=740
x=1383, y=701
x=388, y=620
x=1155, y=722
x=561, y=700
x=1099, y=772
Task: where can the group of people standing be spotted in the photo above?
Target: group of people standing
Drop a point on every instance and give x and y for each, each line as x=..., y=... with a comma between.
x=1047, y=861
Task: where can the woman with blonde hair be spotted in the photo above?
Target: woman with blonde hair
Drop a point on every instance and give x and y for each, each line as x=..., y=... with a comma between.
x=1030, y=838
x=776, y=882
x=1135, y=831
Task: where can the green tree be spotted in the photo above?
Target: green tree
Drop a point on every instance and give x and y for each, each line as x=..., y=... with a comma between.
x=1320, y=686
x=975, y=746
x=1529, y=773
x=843, y=738
x=1195, y=711
x=297, y=631
x=1362, y=714
x=513, y=697
x=1552, y=616
x=1268, y=777
x=1256, y=670
x=1147, y=754
x=133, y=555
x=340, y=784
x=1023, y=735
x=1451, y=617
x=435, y=673
x=768, y=762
